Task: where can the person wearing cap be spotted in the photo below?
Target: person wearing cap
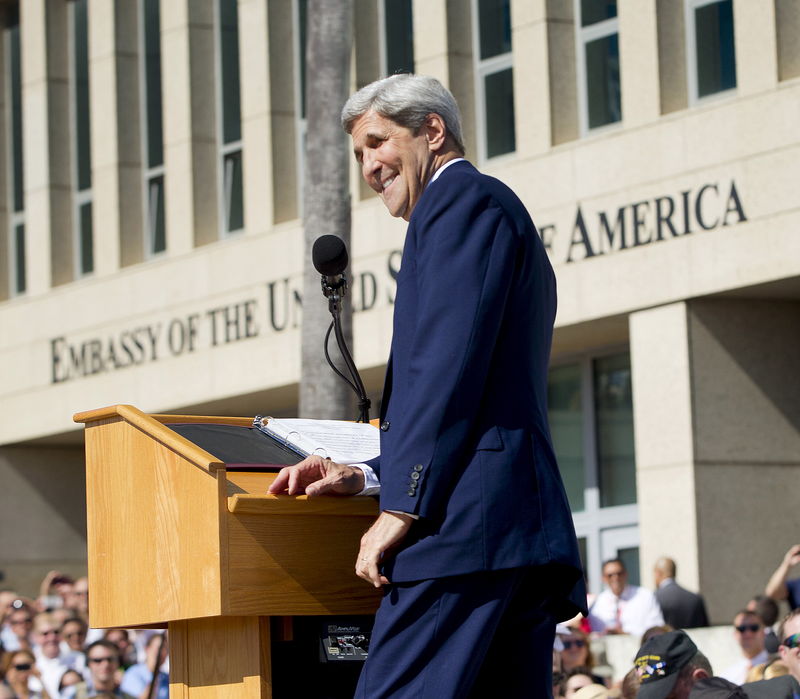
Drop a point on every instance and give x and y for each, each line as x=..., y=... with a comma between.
x=669, y=665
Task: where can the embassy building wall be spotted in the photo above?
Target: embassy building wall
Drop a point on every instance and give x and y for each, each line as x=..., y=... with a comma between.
x=152, y=245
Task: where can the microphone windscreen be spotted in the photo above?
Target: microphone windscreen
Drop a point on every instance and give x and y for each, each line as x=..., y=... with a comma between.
x=329, y=255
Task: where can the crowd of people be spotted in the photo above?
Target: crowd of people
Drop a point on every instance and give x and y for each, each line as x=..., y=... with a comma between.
x=669, y=665
x=49, y=650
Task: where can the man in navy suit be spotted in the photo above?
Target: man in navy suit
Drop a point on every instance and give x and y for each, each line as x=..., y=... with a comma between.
x=474, y=544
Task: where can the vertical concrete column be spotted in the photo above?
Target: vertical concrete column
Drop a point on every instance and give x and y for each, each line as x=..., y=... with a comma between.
x=787, y=21
x=717, y=428
x=116, y=134
x=430, y=38
x=562, y=72
x=638, y=55
x=190, y=142
x=283, y=117
x=6, y=231
x=671, y=24
x=663, y=433
x=531, y=85
x=756, y=41
x=443, y=49
x=746, y=414
x=256, y=108
x=46, y=143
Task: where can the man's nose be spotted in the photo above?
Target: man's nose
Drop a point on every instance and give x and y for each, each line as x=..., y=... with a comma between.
x=369, y=166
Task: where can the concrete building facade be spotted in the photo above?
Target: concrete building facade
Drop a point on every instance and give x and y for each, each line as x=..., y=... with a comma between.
x=151, y=250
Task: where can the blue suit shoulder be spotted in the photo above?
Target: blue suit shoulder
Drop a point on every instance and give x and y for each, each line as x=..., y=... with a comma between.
x=463, y=184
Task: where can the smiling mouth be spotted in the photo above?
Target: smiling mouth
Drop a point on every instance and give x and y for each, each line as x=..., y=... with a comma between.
x=387, y=183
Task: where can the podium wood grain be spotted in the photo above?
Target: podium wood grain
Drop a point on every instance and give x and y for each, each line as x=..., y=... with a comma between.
x=176, y=539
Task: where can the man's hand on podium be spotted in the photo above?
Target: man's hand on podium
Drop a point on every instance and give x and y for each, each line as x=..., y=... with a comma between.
x=317, y=476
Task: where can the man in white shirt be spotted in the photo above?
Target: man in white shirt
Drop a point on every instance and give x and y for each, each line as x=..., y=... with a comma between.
x=47, y=649
x=748, y=630
x=623, y=608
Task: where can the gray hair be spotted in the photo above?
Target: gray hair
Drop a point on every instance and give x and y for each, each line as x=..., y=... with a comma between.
x=407, y=100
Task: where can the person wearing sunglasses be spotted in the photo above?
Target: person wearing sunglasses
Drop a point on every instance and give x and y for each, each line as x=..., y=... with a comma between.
x=575, y=648
x=47, y=648
x=789, y=648
x=22, y=676
x=102, y=660
x=748, y=630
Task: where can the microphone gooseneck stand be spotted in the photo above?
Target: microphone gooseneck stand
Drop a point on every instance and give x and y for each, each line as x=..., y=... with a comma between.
x=335, y=294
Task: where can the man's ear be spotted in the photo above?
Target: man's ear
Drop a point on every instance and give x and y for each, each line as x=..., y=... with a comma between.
x=699, y=674
x=435, y=132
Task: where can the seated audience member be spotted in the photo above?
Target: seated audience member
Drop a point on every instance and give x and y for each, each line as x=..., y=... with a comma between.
x=579, y=677
x=767, y=609
x=681, y=609
x=623, y=608
x=779, y=586
x=73, y=642
x=53, y=590
x=669, y=665
x=749, y=633
x=102, y=659
x=575, y=681
x=766, y=671
x=19, y=625
x=630, y=685
x=137, y=678
x=591, y=691
x=69, y=679
x=654, y=631
x=716, y=688
x=789, y=649
x=49, y=659
x=575, y=651
x=121, y=638
x=22, y=676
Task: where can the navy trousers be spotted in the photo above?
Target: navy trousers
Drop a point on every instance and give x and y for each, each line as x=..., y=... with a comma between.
x=479, y=635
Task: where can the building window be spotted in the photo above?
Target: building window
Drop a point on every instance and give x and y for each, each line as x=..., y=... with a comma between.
x=711, y=55
x=495, y=77
x=230, y=122
x=152, y=131
x=591, y=420
x=397, y=36
x=81, y=129
x=597, y=32
x=16, y=190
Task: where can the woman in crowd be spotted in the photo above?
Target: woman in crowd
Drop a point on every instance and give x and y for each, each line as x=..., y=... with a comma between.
x=20, y=667
x=576, y=651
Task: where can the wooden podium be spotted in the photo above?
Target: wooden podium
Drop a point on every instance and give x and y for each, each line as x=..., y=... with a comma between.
x=176, y=538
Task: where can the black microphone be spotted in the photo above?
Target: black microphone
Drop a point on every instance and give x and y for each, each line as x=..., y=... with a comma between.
x=330, y=259
x=329, y=255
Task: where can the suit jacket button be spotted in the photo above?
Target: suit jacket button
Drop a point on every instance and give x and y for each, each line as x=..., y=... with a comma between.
x=418, y=467
x=412, y=492
x=385, y=426
x=415, y=475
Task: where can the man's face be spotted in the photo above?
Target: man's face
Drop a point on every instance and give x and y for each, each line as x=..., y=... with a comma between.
x=749, y=633
x=103, y=663
x=394, y=162
x=74, y=634
x=791, y=655
x=21, y=623
x=616, y=577
x=48, y=638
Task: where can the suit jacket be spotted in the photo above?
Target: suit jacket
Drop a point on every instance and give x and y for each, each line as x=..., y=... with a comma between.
x=465, y=442
x=682, y=609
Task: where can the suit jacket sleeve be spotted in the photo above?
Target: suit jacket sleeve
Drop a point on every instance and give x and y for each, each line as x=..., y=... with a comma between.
x=463, y=258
